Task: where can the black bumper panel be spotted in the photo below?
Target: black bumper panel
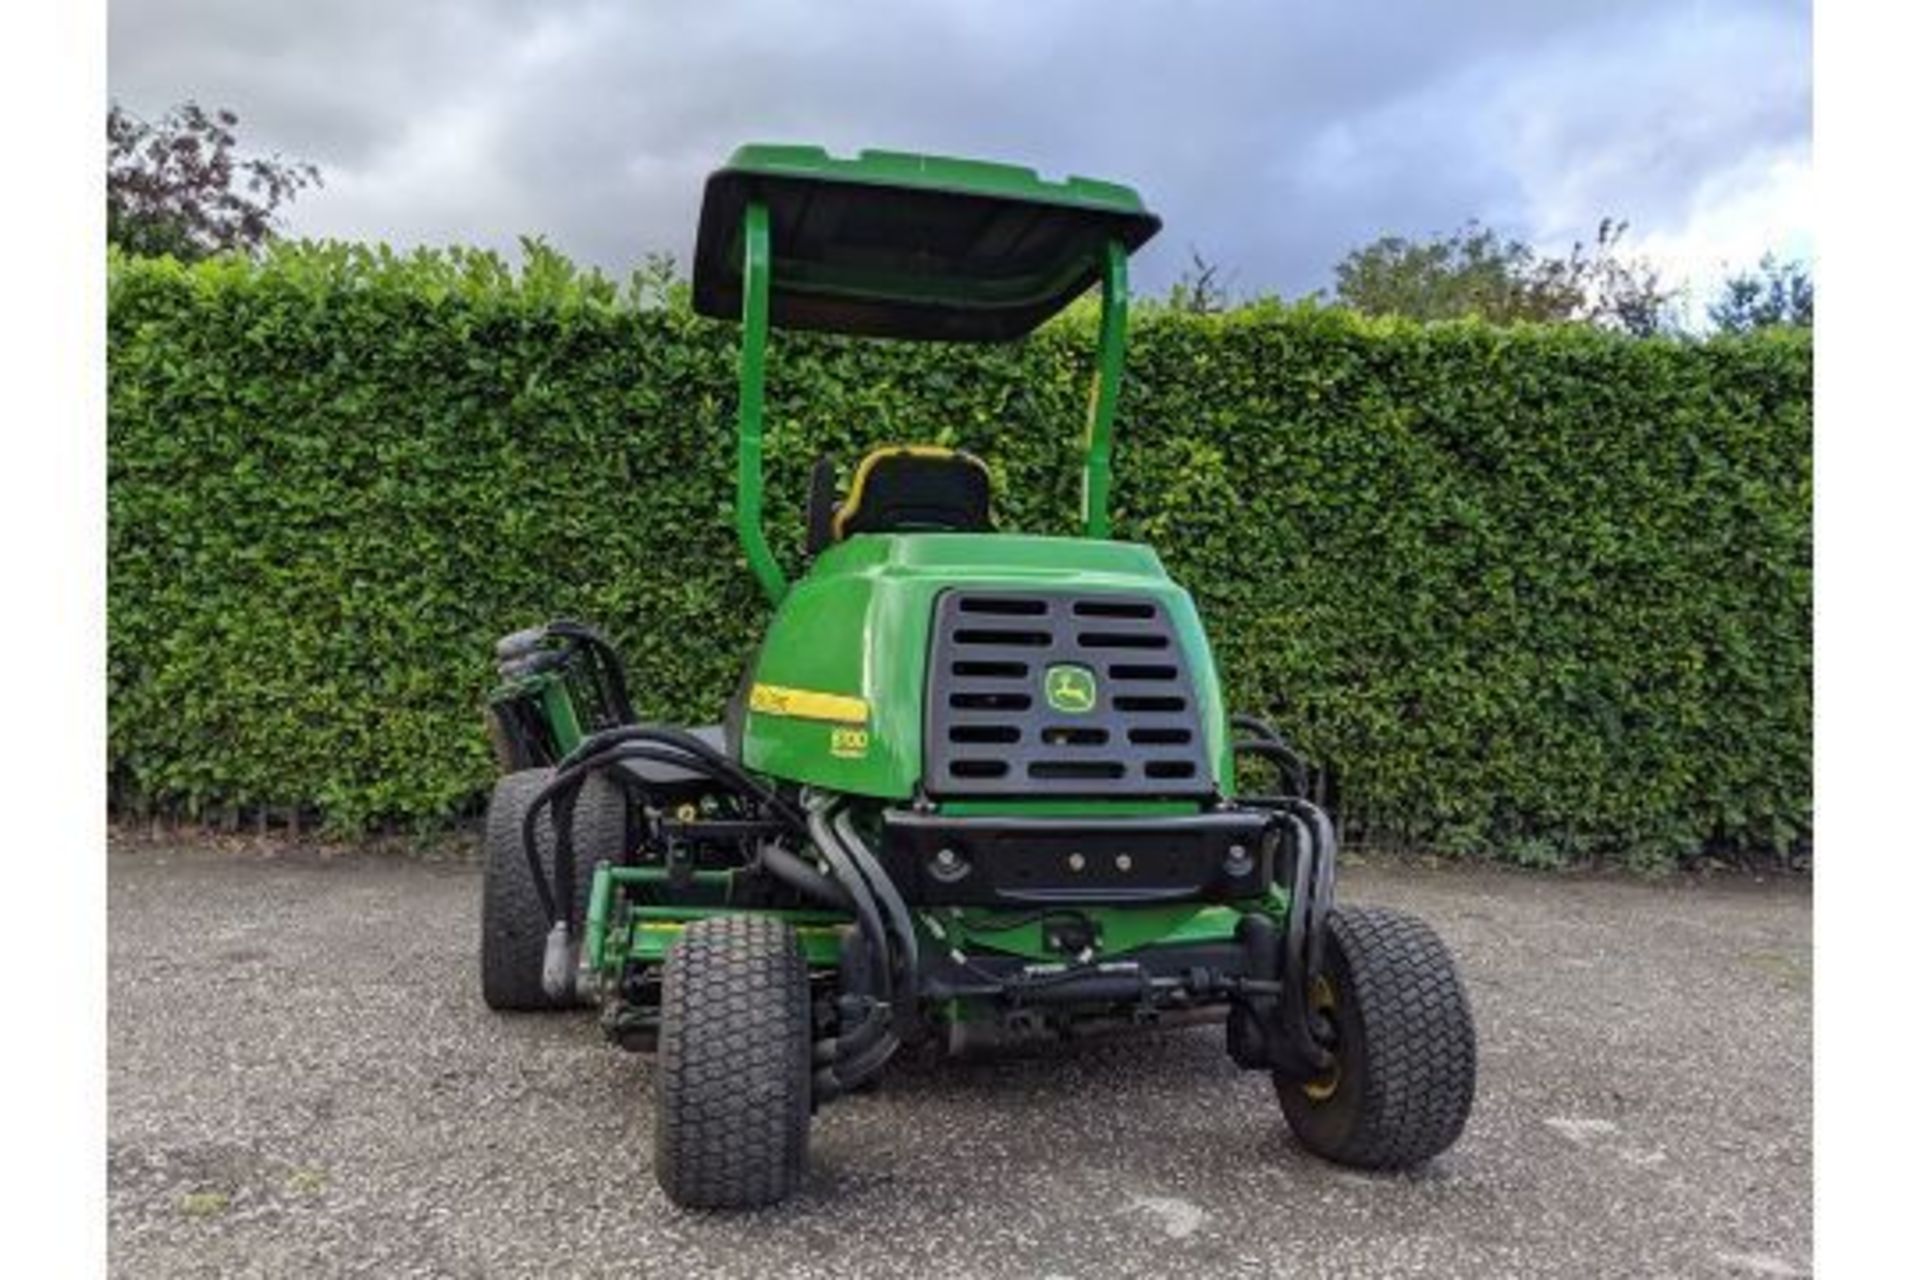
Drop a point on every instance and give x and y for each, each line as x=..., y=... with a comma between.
x=936, y=860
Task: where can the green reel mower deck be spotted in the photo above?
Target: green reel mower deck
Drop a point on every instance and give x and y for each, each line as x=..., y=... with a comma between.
x=975, y=785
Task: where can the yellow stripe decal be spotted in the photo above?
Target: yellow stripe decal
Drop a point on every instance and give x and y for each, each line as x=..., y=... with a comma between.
x=806, y=704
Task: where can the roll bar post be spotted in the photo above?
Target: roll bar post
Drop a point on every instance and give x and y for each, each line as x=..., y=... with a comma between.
x=756, y=272
x=1096, y=479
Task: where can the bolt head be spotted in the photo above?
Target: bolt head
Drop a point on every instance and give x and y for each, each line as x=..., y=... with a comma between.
x=1076, y=862
x=949, y=866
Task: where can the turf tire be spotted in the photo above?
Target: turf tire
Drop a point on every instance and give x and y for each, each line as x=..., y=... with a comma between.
x=733, y=1081
x=1404, y=1042
x=513, y=928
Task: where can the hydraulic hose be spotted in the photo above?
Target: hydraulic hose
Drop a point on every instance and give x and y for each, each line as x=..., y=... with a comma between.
x=856, y=989
x=1266, y=741
x=656, y=743
x=797, y=873
x=1254, y=725
x=1302, y=925
x=865, y=910
x=857, y=883
x=1289, y=762
x=558, y=795
x=839, y=1078
x=841, y=1048
x=712, y=762
x=882, y=885
x=843, y=1062
x=864, y=1050
x=1319, y=899
x=1299, y=889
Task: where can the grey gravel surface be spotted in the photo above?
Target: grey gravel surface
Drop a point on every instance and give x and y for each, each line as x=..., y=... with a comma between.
x=303, y=1081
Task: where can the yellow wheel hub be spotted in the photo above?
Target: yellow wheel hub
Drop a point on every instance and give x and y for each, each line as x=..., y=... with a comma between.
x=1320, y=1000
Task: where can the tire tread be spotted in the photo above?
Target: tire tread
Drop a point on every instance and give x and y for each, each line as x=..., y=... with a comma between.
x=733, y=1086
x=1418, y=1085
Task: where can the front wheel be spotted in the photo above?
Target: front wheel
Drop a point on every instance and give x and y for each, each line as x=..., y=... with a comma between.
x=733, y=1089
x=1403, y=1044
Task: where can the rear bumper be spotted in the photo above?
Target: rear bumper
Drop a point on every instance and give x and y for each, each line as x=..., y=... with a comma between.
x=939, y=860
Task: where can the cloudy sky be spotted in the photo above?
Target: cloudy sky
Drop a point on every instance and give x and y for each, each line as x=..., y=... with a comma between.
x=1271, y=136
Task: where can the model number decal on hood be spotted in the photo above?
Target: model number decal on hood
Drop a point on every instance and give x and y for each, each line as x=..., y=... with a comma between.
x=807, y=704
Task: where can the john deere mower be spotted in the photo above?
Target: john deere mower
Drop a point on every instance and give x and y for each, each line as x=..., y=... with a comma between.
x=974, y=786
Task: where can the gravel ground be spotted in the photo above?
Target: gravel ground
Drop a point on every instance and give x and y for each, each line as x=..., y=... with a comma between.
x=303, y=1081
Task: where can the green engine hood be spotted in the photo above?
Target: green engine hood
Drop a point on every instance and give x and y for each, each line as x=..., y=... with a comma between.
x=839, y=688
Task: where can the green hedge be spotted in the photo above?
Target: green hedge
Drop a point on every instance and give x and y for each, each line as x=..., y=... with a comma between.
x=1536, y=592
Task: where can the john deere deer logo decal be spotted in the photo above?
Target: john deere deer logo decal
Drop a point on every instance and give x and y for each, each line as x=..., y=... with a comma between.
x=1070, y=688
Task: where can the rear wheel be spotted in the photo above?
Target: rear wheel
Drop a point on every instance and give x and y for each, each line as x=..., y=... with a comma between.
x=1402, y=1082
x=513, y=925
x=733, y=1084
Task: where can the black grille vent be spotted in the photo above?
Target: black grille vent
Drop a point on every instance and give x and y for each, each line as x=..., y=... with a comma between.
x=993, y=730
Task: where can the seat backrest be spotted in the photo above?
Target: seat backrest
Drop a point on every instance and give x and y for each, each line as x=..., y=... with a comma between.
x=908, y=488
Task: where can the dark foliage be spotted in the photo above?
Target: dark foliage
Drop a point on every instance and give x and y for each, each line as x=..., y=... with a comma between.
x=178, y=185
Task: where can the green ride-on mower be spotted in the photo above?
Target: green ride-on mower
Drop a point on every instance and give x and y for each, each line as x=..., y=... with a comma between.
x=974, y=786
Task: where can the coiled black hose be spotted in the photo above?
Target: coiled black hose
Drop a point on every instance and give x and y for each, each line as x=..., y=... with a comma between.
x=659, y=744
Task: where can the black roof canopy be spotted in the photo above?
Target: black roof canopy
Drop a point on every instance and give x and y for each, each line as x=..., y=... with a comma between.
x=894, y=245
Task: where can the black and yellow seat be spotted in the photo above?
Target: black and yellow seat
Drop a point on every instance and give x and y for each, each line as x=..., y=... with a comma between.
x=913, y=488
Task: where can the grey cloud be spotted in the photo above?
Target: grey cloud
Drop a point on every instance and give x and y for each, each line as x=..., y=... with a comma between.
x=1271, y=137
